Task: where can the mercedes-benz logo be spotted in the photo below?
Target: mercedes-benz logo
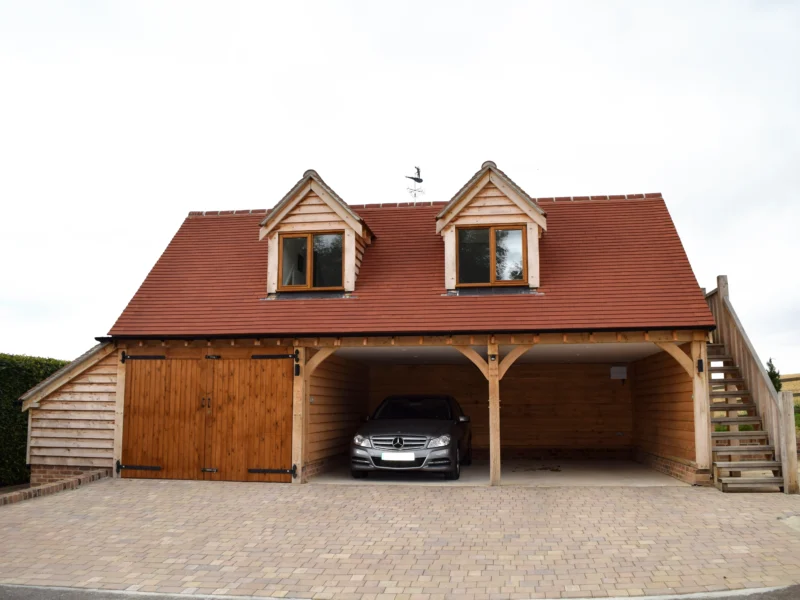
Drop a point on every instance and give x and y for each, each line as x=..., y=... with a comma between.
x=397, y=442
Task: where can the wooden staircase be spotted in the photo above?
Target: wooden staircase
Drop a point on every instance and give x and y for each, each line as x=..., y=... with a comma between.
x=743, y=457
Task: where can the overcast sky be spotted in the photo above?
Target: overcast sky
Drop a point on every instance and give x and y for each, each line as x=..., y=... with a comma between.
x=117, y=119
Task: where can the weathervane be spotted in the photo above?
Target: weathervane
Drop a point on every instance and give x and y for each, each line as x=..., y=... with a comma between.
x=415, y=191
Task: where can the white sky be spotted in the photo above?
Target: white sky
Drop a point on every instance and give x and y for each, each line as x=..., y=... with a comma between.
x=117, y=119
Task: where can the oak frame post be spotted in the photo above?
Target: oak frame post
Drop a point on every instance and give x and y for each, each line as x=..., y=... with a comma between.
x=299, y=429
x=494, y=370
x=493, y=375
x=702, y=407
x=789, y=440
x=301, y=413
x=119, y=412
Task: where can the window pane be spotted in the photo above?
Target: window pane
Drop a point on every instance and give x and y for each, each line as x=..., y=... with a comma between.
x=328, y=260
x=508, y=254
x=473, y=256
x=293, y=269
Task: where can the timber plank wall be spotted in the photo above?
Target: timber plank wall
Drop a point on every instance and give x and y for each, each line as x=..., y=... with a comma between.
x=74, y=425
x=663, y=409
x=339, y=389
x=560, y=406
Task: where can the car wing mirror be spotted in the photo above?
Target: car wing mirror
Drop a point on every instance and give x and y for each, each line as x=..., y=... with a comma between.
x=463, y=419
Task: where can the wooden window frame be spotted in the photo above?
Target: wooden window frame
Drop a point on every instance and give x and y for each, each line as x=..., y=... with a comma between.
x=493, y=256
x=309, y=235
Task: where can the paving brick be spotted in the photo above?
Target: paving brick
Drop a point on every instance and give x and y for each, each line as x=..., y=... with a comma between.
x=399, y=542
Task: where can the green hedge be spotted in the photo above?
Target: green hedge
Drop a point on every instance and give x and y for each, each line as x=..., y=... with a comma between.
x=18, y=374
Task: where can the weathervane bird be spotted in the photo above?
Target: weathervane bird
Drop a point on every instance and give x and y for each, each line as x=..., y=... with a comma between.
x=418, y=179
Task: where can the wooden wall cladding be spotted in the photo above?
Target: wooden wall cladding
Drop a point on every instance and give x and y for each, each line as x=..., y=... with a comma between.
x=663, y=408
x=339, y=388
x=541, y=405
x=74, y=425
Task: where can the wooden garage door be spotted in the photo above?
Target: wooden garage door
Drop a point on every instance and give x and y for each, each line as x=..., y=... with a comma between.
x=208, y=419
x=250, y=421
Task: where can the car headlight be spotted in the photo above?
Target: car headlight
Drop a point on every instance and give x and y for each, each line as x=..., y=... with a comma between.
x=440, y=441
x=362, y=441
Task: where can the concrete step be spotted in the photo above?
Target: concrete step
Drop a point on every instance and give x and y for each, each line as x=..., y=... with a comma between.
x=749, y=465
x=736, y=420
x=732, y=450
x=738, y=435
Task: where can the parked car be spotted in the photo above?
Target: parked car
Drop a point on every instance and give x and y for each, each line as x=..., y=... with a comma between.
x=413, y=432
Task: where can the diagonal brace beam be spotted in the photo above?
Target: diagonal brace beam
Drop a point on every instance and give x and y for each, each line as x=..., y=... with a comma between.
x=512, y=357
x=476, y=358
x=683, y=359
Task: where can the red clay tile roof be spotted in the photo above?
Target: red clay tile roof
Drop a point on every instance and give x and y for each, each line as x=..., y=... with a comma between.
x=606, y=263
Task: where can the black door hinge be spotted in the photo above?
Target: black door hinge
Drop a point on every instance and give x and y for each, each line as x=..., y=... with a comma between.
x=126, y=357
x=292, y=471
x=120, y=466
x=269, y=356
x=208, y=470
x=213, y=356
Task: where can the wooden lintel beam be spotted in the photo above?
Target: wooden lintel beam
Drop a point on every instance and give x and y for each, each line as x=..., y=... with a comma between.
x=683, y=359
x=511, y=358
x=476, y=359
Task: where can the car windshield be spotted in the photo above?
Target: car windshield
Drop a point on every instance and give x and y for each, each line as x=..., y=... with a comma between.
x=414, y=407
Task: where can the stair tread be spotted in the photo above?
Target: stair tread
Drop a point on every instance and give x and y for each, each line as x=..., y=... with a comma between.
x=763, y=449
x=745, y=465
x=728, y=381
x=735, y=420
x=723, y=406
x=738, y=434
x=752, y=480
x=720, y=357
x=730, y=394
x=722, y=369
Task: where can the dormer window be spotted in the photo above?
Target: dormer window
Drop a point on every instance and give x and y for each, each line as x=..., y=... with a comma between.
x=491, y=230
x=491, y=256
x=321, y=268
x=314, y=240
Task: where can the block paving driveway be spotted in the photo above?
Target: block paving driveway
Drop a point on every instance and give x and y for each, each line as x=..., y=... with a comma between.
x=400, y=541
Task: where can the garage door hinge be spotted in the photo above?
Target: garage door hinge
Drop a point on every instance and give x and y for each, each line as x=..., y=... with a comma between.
x=292, y=471
x=126, y=357
x=269, y=356
x=120, y=466
x=213, y=356
x=208, y=470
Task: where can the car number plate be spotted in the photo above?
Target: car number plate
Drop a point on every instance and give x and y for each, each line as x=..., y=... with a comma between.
x=398, y=456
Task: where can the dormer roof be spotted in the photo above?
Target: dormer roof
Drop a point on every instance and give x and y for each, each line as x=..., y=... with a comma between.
x=312, y=182
x=489, y=173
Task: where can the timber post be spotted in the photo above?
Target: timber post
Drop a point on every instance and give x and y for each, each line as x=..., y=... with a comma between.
x=788, y=439
x=299, y=415
x=493, y=375
x=702, y=406
x=119, y=411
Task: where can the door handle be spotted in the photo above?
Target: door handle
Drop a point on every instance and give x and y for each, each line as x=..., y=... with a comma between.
x=202, y=402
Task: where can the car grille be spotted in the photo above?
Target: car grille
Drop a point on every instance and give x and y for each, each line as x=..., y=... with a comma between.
x=409, y=442
x=393, y=464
